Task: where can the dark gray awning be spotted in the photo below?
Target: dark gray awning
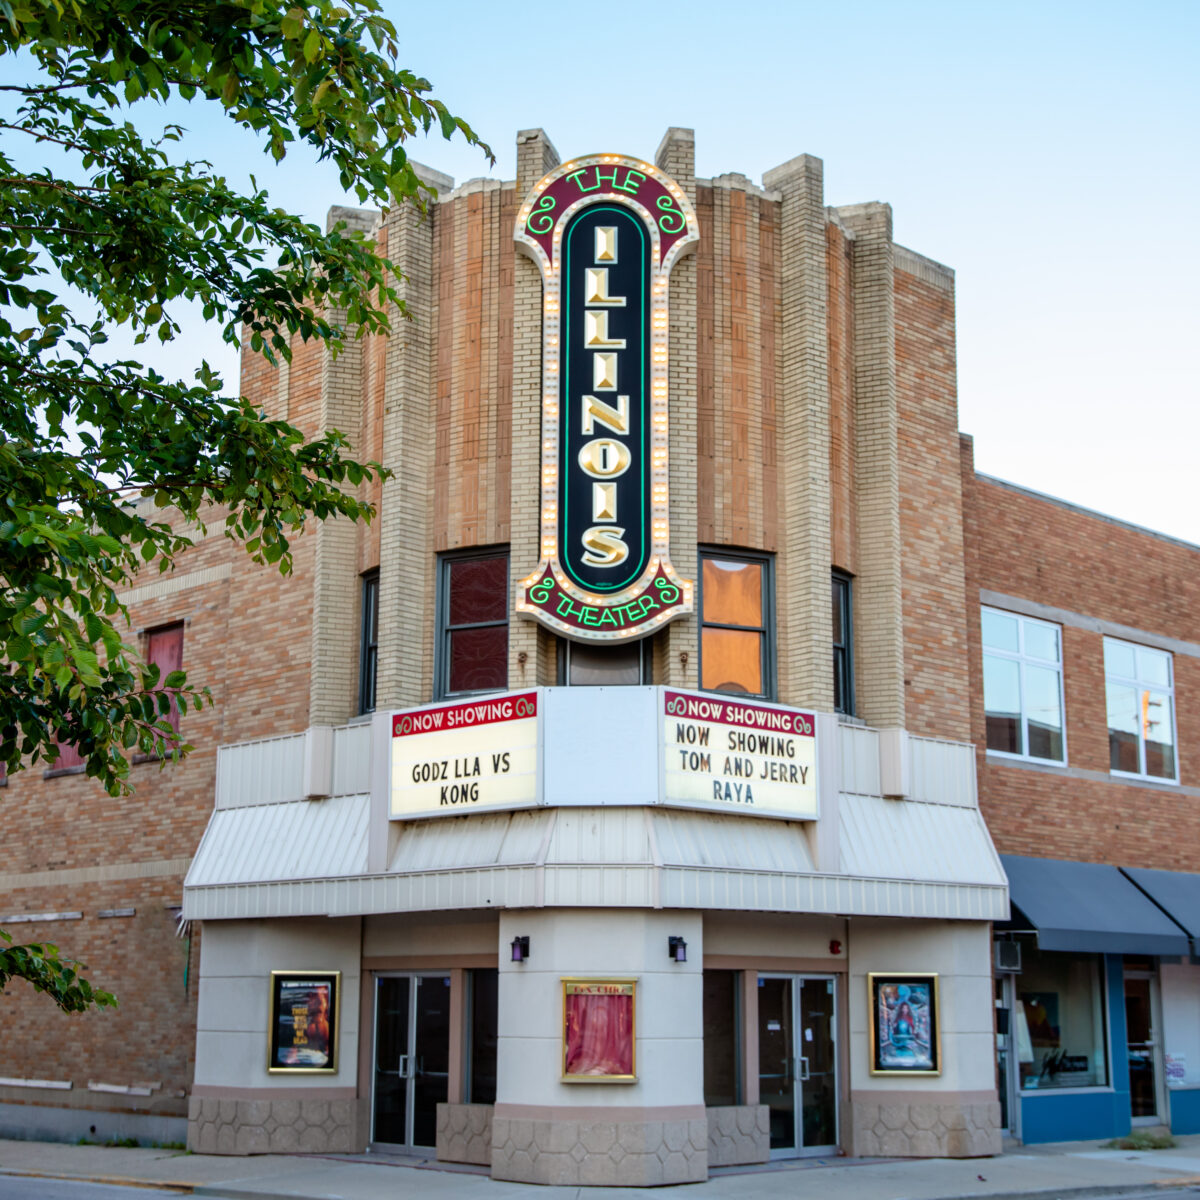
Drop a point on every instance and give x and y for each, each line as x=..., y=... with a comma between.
x=1089, y=907
x=1176, y=891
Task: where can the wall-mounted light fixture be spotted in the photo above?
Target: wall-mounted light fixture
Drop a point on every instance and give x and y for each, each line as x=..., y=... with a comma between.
x=520, y=949
x=677, y=949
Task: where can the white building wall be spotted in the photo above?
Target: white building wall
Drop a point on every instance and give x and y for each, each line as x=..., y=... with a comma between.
x=620, y=944
x=233, y=1014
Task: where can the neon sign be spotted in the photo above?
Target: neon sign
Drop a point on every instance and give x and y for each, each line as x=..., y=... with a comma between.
x=605, y=232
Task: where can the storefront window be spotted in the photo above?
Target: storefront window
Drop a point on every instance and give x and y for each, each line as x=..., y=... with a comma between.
x=1059, y=1021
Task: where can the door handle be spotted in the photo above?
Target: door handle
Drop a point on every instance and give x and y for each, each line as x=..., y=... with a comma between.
x=405, y=1069
x=803, y=1074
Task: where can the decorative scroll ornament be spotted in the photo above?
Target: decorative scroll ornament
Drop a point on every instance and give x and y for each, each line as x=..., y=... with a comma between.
x=605, y=231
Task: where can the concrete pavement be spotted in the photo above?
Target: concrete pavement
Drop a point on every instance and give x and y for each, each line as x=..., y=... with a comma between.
x=1068, y=1169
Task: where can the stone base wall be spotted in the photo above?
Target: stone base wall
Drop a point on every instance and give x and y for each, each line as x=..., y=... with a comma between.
x=598, y=1153
x=283, y=1126
x=933, y=1130
x=464, y=1133
x=738, y=1135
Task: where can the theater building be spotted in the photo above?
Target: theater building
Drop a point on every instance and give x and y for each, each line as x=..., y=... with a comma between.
x=612, y=807
x=634, y=828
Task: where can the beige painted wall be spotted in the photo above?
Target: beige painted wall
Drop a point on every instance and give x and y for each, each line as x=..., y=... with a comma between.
x=961, y=953
x=236, y=961
x=428, y=935
x=773, y=935
x=618, y=944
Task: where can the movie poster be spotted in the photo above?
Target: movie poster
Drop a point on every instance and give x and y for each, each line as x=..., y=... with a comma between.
x=304, y=1011
x=904, y=1025
x=598, y=1030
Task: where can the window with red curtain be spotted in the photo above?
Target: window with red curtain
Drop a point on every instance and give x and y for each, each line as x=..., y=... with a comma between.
x=473, y=623
x=164, y=648
x=68, y=757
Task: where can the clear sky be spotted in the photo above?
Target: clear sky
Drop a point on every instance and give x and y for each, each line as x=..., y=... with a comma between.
x=1048, y=152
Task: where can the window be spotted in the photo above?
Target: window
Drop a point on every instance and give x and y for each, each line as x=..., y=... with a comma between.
x=1060, y=1032
x=1022, y=686
x=164, y=648
x=843, y=633
x=482, y=998
x=722, y=1038
x=624, y=664
x=1139, y=683
x=473, y=623
x=368, y=658
x=736, y=615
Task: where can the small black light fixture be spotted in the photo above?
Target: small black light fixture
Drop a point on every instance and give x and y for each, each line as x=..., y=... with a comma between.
x=677, y=949
x=520, y=949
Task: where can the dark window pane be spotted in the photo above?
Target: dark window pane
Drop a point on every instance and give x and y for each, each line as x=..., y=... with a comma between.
x=839, y=603
x=840, y=690
x=733, y=592
x=722, y=1037
x=731, y=661
x=479, y=659
x=604, y=666
x=370, y=643
x=484, y=1008
x=478, y=590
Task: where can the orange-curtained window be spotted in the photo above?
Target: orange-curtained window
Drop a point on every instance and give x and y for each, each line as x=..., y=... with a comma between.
x=735, y=606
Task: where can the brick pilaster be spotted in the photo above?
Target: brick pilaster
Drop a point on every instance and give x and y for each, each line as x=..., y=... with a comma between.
x=334, y=656
x=878, y=606
x=677, y=156
x=535, y=157
x=803, y=609
x=406, y=561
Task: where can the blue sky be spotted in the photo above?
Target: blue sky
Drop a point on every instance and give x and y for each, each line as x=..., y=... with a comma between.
x=1047, y=152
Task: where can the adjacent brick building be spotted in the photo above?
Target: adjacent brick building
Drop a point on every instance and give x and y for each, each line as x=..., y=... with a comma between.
x=825, y=527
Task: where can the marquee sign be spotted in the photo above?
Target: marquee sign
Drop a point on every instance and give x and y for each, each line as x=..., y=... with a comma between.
x=605, y=231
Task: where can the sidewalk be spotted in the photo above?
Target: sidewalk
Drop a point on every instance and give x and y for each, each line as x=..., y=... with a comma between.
x=1069, y=1168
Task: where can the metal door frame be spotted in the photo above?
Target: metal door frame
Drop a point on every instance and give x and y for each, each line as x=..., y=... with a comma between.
x=1160, y=1116
x=1009, y=1000
x=800, y=1150
x=414, y=978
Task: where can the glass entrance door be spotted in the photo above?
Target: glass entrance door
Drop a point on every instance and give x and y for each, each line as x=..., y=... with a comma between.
x=412, y=1058
x=797, y=1055
x=1141, y=1003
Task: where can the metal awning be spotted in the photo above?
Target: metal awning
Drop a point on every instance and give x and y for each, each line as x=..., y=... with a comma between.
x=1177, y=892
x=1089, y=907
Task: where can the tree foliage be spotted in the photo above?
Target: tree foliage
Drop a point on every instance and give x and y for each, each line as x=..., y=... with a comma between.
x=40, y=965
x=107, y=467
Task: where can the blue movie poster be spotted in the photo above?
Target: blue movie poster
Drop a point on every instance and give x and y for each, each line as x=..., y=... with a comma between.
x=905, y=1034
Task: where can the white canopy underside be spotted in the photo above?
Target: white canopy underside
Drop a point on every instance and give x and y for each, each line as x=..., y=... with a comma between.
x=303, y=858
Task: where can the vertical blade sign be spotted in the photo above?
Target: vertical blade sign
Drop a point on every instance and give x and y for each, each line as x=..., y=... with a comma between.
x=605, y=231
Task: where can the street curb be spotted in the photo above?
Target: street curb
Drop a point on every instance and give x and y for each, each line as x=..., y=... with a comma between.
x=166, y=1185
x=1084, y=1193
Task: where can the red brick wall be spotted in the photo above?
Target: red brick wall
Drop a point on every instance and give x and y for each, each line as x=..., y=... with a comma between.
x=1034, y=549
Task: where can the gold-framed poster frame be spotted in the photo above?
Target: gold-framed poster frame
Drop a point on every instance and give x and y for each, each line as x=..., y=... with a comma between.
x=600, y=1053
x=905, y=1023
x=297, y=1051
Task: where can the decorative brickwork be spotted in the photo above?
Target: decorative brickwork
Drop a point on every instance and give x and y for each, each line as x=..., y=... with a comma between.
x=600, y=1153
